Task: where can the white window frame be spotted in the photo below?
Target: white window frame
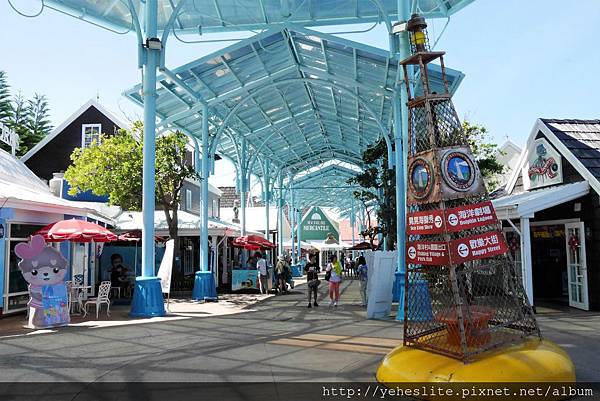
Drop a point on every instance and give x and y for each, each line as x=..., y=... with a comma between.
x=188, y=199
x=83, y=128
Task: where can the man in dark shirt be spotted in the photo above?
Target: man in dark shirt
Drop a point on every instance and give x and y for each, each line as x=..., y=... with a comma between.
x=312, y=278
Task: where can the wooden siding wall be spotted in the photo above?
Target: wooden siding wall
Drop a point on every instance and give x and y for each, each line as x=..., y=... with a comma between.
x=55, y=156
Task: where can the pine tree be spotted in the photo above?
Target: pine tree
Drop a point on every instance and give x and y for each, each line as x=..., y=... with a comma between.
x=5, y=107
x=38, y=123
x=19, y=122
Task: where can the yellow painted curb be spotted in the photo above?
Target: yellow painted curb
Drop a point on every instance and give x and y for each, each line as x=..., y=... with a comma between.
x=534, y=361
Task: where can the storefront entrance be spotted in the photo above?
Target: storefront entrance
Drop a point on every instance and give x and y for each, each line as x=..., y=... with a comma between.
x=549, y=263
x=576, y=266
x=558, y=262
x=559, y=265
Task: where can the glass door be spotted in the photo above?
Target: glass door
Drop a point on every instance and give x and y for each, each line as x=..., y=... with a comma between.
x=514, y=245
x=576, y=266
x=79, y=263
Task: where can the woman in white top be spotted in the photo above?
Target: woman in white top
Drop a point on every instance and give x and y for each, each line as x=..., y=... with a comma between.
x=334, y=270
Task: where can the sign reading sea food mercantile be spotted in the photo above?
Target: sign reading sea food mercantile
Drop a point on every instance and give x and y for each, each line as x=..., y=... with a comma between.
x=479, y=246
x=427, y=252
x=316, y=226
x=470, y=216
x=429, y=222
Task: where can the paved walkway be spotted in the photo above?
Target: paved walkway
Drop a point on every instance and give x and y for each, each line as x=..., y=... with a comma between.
x=245, y=338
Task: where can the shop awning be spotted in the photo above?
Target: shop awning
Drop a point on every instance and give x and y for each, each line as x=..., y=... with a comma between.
x=303, y=245
x=322, y=246
x=188, y=224
x=526, y=204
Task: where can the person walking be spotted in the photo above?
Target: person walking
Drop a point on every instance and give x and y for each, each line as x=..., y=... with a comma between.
x=363, y=277
x=263, y=273
x=281, y=269
x=334, y=276
x=312, y=278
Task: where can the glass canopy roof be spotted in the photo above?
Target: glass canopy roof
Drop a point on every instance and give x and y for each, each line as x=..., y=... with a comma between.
x=299, y=97
x=326, y=186
x=199, y=16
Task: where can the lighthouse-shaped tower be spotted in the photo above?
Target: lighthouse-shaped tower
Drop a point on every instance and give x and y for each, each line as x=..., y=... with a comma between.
x=463, y=295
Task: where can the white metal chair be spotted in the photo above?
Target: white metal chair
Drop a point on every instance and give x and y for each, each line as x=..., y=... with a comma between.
x=102, y=298
x=75, y=297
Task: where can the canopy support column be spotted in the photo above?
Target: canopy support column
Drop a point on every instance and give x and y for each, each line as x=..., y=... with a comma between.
x=292, y=215
x=204, y=201
x=266, y=200
x=280, y=215
x=400, y=110
x=148, y=300
x=204, y=283
x=298, y=235
x=267, y=195
x=353, y=224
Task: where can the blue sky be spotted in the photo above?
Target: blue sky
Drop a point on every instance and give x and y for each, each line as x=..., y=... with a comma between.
x=522, y=60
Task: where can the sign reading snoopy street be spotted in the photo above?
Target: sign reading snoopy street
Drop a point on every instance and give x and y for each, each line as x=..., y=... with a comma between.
x=430, y=222
x=470, y=216
x=427, y=253
x=479, y=246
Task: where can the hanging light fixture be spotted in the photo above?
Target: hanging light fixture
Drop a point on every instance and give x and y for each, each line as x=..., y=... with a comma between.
x=417, y=27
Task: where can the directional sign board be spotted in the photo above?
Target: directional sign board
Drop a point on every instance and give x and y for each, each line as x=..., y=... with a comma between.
x=470, y=216
x=430, y=222
x=476, y=247
x=427, y=252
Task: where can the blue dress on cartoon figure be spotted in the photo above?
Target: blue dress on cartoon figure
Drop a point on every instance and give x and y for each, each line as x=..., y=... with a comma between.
x=44, y=268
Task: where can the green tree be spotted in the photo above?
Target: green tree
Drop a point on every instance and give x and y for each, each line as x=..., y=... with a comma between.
x=39, y=122
x=5, y=106
x=113, y=168
x=379, y=192
x=19, y=122
x=485, y=152
x=28, y=118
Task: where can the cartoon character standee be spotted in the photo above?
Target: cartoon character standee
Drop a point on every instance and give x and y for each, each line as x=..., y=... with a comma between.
x=44, y=268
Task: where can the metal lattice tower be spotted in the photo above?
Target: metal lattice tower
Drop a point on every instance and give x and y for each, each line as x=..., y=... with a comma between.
x=462, y=293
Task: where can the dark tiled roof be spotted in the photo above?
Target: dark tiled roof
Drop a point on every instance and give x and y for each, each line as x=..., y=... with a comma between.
x=582, y=138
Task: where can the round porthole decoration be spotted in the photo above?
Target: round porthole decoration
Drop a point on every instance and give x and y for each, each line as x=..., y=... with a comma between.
x=420, y=178
x=458, y=170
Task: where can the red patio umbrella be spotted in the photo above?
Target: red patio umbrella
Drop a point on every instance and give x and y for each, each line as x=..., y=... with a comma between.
x=76, y=231
x=252, y=242
x=136, y=235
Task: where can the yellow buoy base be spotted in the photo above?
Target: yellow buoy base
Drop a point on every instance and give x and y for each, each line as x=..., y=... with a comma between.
x=534, y=361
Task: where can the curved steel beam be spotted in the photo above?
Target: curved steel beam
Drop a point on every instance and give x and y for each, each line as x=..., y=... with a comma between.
x=324, y=83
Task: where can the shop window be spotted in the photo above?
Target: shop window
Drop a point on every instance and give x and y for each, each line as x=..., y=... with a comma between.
x=18, y=231
x=16, y=282
x=17, y=294
x=188, y=199
x=90, y=133
x=215, y=208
